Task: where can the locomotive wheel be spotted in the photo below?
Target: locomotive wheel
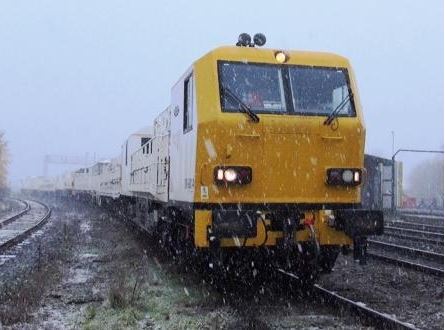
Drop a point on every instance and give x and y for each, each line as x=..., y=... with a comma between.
x=164, y=233
x=182, y=244
x=302, y=260
x=328, y=256
x=308, y=270
x=179, y=237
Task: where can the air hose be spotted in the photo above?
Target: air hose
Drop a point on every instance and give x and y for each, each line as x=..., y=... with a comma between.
x=266, y=230
x=314, y=240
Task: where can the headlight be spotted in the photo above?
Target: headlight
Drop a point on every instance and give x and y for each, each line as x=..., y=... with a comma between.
x=281, y=57
x=347, y=176
x=233, y=175
x=230, y=175
x=344, y=176
x=357, y=176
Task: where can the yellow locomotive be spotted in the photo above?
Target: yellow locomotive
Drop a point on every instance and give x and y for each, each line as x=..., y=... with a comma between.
x=260, y=153
x=267, y=150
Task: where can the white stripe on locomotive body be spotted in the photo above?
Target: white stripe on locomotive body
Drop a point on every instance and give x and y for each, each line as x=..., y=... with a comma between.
x=182, y=144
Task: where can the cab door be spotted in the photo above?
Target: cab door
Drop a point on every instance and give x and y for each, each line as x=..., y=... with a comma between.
x=182, y=147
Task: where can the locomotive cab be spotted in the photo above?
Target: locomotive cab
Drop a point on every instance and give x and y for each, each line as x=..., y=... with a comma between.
x=267, y=149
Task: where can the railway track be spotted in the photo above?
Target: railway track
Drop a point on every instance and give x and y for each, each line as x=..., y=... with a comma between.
x=415, y=226
x=366, y=314
x=7, y=218
x=407, y=264
x=418, y=231
x=427, y=219
x=406, y=251
x=15, y=229
x=421, y=212
x=420, y=260
x=427, y=237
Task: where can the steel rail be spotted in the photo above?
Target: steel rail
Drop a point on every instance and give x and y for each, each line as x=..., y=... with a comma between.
x=437, y=213
x=420, y=233
x=407, y=264
x=18, y=215
x=24, y=234
x=415, y=231
x=407, y=250
x=414, y=238
x=422, y=217
x=367, y=315
x=416, y=226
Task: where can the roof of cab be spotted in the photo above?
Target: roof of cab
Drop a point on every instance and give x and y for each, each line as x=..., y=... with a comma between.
x=267, y=55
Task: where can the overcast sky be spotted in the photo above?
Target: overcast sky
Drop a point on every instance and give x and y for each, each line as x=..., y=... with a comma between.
x=78, y=76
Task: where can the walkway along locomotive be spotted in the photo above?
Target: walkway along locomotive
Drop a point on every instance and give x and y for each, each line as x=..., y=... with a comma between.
x=260, y=150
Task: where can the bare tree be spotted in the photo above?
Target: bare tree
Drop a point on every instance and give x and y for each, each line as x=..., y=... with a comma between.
x=4, y=160
x=426, y=180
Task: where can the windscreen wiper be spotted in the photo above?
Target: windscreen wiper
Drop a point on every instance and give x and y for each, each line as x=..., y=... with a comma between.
x=337, y=110
x=244, y=107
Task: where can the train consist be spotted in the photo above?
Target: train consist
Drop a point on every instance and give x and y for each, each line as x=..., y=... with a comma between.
x=259, y=150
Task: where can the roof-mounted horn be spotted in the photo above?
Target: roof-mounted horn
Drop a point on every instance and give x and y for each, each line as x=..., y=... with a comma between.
x=244, y=40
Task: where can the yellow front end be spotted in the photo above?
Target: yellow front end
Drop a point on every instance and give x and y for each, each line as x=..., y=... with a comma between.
x=268, y=238
x=289, y=155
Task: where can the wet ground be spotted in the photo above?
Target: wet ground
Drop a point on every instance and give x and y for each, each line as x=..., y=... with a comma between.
x=89, y=270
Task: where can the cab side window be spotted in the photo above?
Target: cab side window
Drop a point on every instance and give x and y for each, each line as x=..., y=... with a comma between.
x=188, y=104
